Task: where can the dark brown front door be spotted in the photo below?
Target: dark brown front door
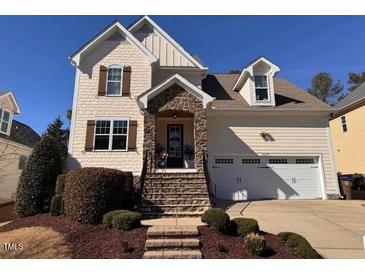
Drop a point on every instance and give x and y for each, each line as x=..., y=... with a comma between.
x=175, y=146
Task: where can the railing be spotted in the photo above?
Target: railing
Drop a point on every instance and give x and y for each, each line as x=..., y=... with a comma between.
x=145, y=169
x=206, y=174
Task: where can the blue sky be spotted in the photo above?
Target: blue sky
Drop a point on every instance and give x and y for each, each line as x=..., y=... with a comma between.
x=34, y=51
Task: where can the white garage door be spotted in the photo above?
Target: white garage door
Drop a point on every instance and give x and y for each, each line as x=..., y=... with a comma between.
x=252, y=178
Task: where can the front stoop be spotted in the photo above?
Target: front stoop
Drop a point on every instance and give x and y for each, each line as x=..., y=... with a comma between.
x=172, y=242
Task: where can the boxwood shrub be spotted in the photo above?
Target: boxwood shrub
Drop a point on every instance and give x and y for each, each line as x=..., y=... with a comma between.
x=217, y=219
x=122, y=219
x=254, y=244
x=298, y=245
x=244, y=226
x=57, y=205
x=108, y=217
x=91, y=192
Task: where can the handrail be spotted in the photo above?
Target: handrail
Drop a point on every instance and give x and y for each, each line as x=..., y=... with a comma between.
x=206, y=173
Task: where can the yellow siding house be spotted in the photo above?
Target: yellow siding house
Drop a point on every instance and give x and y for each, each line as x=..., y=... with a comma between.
x=348, y=132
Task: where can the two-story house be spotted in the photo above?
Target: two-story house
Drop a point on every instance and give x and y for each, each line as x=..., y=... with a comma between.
x=143, y=104
x=16, y=143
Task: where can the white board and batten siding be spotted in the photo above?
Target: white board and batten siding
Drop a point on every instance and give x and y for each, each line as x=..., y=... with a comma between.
x=237, y=136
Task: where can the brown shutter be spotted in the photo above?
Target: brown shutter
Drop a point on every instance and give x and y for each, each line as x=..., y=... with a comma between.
x=132, y=135
x=126, y=89
x=102, y=80
x=89, y=142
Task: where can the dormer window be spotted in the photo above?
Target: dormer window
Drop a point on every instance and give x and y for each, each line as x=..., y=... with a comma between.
x=4, y=121
x=114, y=79
x=261, y=88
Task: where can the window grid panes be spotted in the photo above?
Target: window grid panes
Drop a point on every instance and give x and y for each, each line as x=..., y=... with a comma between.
x=111, y=135
x=278, y=161
x=261, y=88
x=4, y=120
x=304, y=161
x=251, y=161
x=343, y=124
x=224, y=161
x=23, y=159
x=114, y=81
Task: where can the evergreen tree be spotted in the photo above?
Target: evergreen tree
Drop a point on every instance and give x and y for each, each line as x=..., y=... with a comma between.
x=37, y=181
x=355, y=80
x=323, y=88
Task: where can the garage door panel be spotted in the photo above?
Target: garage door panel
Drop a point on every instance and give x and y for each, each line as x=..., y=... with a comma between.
x=243, y=178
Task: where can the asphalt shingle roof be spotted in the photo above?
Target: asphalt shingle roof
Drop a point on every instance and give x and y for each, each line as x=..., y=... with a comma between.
x=356, y=95
x=287, y=95
x=22, y=134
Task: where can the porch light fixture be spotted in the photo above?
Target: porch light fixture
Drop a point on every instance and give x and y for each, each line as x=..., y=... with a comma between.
x=175, y=116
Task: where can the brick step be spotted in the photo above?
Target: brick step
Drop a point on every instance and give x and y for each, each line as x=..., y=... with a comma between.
x=173, y=208
x=176, y=201
x=170, y=195
x=173, y=176
x=172, y=244
x=174, y=190
x=174, y=184
x=154, y=215
x=173, y=254
x=172, y=231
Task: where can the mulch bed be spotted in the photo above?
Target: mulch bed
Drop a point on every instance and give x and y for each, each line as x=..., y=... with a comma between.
x=88, y=241
x=210, y=241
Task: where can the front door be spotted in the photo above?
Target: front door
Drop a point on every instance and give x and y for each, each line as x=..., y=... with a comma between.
x=175, y=146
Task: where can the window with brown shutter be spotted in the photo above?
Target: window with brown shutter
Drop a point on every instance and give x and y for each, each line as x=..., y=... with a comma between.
x=102, y=80
x=132, y=135
x=126, y=89
x=89, y=142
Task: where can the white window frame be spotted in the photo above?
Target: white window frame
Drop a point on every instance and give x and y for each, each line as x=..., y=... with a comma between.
x=344, y=123
x=267, y=88
x=2, y=110
x=111, y=134
x=121, y=80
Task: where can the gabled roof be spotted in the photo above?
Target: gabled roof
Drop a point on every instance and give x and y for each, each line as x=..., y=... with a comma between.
x=12, y=99
x=355, y=96
x=248, y=70
x=180, y=81
x=105, y=33
x=287, y=96
x=22, y=134
x=145, y=19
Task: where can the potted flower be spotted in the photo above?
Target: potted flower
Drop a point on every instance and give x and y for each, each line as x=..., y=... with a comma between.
x=189, y=156
x=161, y=156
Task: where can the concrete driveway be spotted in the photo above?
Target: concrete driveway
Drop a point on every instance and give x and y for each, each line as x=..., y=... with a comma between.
x=334, y=228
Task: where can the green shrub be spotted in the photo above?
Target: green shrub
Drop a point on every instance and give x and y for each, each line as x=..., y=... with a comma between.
x=217, y=219
x=127, y=220
x=108, y=217
x=126, y=248
x=244, y=226
x=222, y=248
x=91, y=192
x=298, y=245
x=37, y=181
x=60, y=184
x=57, y=205
x=255, y=244
x=358, y=182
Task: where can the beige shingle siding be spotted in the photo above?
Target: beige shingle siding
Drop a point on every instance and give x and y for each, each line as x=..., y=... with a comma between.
x=9, y=173
x=294, y=134
x=90, y=106
x=349, y=146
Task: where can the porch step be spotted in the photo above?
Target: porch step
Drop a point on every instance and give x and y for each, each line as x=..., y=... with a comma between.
x=175, y=175
x=154, y=215
x=172, y=195
x=173, y=208
x=176, y=201
x=174, y=184
x=172, y=242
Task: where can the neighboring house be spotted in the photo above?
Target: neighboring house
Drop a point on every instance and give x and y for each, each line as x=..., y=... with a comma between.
x=139, y=94
x=16, y=143
x=348, y=131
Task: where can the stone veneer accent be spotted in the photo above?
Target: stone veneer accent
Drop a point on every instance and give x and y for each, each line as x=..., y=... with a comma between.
x=176, y=99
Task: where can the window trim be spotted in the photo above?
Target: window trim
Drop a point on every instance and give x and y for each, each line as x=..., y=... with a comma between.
x=111, y=134
x=121, y=67
x=1, y=120
x=26, y=161
x=343, y=123
x=267, y=88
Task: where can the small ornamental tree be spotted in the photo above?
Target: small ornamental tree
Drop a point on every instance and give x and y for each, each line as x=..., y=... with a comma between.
x=37, y=181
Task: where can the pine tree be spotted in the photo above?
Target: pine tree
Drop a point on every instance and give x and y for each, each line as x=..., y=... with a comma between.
x=323, y=88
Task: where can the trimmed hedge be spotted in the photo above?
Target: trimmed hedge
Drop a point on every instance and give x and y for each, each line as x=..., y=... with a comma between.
x=127, y=220
x=298, y=245
x=217, y=219
x=255, y=244
x=244, y=226
x=91, y=192
x=60, y=184
x=108, y=217
x=57, y=205
x=37, y=181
